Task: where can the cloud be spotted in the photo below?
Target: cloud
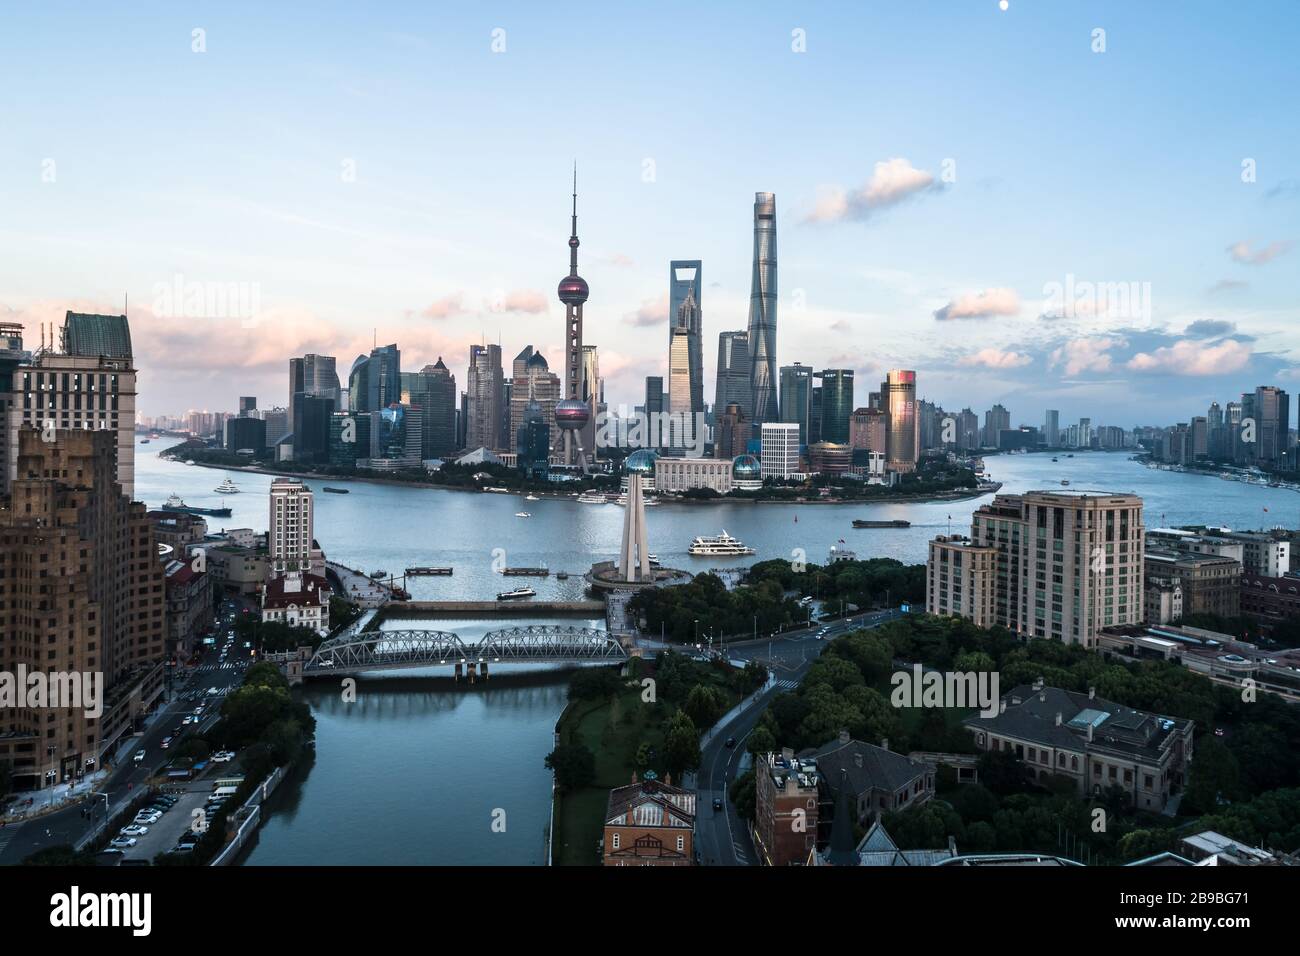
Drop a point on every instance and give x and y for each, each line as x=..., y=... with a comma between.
x=1194, y=358
x=980, y=305
x=1085, y=354
x=520, y=300
x=1228, y=285
x=892, y=182
x=653, y=312
x=995, y=358
x=1209, y=328
x=840, y=325
x=1246, y=253
x=445, y=308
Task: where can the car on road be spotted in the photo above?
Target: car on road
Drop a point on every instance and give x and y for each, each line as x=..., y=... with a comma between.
x=139, y=756
x=213, y=692
x=1219, y=731
x=198, y=710
x=717, y=804
x=167, y=742
x=222, y=756
x=731, y=742
x=122, y=842
x=135, y=830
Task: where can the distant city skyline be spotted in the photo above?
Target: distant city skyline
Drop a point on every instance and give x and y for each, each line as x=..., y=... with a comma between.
x=1133, y=281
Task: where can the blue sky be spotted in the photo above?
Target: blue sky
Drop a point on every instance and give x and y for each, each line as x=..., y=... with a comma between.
x=363, y=172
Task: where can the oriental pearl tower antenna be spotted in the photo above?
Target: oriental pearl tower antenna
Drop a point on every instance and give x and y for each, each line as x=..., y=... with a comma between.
x=574, y=412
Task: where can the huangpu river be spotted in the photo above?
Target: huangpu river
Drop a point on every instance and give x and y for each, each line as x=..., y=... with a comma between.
x=416, y=770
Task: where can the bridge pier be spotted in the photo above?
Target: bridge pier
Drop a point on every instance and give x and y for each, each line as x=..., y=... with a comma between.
x=483, y=669
x=470, y=669
x=459, y=668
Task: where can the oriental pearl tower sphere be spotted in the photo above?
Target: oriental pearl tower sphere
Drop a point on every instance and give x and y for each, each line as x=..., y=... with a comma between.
x=574, y=412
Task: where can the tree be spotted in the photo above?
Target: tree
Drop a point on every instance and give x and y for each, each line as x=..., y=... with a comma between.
x=681, y=745
x=761, y=740
x=1001, y=772
x=574, y=766
x=703, y=705
x=594, y=683
x=743, y=795
x=1214, y=774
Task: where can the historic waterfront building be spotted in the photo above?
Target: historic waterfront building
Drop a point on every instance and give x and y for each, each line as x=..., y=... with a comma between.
x=289, y=540
x=96, y=607
x=650, y=823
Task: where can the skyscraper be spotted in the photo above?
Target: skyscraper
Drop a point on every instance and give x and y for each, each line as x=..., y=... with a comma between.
x=1272, y=412
x=1052, y=428
x=320, y=378
x=898, y=395
x=574, y=412
x=837, y=404
x=654, y=409
x=996, y=420
x=533, y=382
x=796, y=397
x=733, y=372
x=486, y=397
x=685, y=281
x=681, y=425
x=762, y=312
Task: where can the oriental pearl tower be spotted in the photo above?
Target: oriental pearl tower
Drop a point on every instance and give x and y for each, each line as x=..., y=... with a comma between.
x=574, y=412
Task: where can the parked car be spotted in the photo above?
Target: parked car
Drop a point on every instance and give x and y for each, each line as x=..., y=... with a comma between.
x=135, y=830
x=167, y=742
x=223, y=756
x=122, y=842
x=148, y=818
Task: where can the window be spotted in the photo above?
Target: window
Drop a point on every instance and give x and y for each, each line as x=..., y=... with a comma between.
x=681, y=844
x=615, y=843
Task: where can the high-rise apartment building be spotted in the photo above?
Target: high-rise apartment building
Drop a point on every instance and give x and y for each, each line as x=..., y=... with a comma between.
x=898, y=396
x=90, y=385
x=81, y=593
x=533, y=381
x=762, y=312
x=685, y=286
x=961, y=580
x=1068, y=563
x=289, y=538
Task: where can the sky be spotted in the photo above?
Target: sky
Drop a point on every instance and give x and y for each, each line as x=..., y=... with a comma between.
x=1092, y=207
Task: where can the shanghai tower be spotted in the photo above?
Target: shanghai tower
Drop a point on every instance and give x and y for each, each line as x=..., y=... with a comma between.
x=762, y=312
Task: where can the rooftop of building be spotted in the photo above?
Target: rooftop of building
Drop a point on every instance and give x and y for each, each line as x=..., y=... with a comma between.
x=785, y=767
x=1186, y=558
x=651, y=803
x=867, y=766
x=295, y=590
x=1054, y=717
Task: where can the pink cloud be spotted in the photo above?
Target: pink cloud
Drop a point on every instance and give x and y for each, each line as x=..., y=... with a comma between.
x=981, y=305
x=995, y=359
x=1187, y=357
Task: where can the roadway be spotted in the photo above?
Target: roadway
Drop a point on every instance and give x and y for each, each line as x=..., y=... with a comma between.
x=126, y=778
x=722, y=836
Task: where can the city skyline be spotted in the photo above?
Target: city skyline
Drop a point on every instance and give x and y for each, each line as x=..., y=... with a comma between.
x=330, y=232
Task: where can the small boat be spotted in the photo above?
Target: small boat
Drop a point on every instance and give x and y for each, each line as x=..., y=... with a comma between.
x=377, y=575
x=561, y=575
x=227, y=487
x=532, y=498
x=1065, y=481
x=523, y=514
x=335, y=491
x=189, y=461
x=1071, y=455
x=144, y=441
x=1056, y=459
x=516, y=593
x=401, y=594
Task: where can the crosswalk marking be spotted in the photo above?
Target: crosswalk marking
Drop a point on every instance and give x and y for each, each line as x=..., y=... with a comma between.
x=787, y=684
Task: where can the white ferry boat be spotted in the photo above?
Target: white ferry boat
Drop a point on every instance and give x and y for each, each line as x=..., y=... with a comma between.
x=523, y=514
x=516, y=593
x=592, y=498
x=720, y=544
x=532, y=498
x=227, y=487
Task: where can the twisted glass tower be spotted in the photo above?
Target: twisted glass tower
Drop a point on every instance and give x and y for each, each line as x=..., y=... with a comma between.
x=762, y=312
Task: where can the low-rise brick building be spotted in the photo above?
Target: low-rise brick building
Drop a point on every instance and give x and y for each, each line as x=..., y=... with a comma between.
x=650, y=823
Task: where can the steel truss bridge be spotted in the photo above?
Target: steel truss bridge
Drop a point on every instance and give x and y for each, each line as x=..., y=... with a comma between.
x=532, y=644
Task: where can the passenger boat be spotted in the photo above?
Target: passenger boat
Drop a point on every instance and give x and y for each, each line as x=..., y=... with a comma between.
x=532, y=498
x=722, y=544
x=516, y=593
x=227, y=487
x=523, y=514
x=592, y=498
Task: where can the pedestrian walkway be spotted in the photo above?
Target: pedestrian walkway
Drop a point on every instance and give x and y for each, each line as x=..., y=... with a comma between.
x=787, y=684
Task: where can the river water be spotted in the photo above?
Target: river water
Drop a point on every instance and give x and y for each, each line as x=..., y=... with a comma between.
x=417, y=769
